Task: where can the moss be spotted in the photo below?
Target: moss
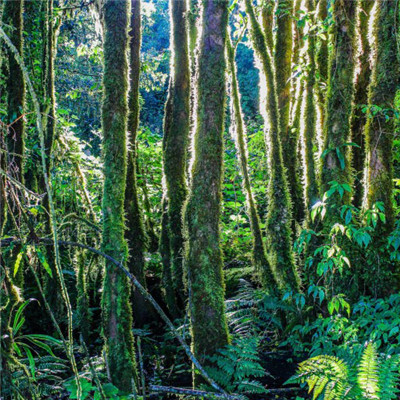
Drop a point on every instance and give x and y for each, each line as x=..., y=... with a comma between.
x=279, y=216
x=202, y=214
x=267, y=17
x=359, y=118
x=164, y=248
x=13, y=16
x=82, y=297
x=379, y=129
x=339, y=102
x=175, y=140
x=259, y=258
x=322, y=57
x=116, y=309
x=135, y=233
x=309, y=117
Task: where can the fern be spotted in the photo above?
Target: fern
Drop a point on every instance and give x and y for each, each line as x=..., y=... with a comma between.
x=237, y=366
x=331, y=378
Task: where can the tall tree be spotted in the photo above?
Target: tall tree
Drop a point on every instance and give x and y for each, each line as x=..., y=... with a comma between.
x=175, y=140
x=342, y=60
x=12, y=16
x=116, y=308
x=379, y=129
x=238, y=130
x=135, y=233
x=309, y=118
x=279, y=217
x=359, y=117
x=322, y=57
x=202, y=215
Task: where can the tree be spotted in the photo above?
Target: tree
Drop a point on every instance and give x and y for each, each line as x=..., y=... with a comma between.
x=359, y=117
x=380, y=124
x=309, y=118
x=175, y=140
x=340, y=94
x=279, y=218
x=238, y=129
x=202, y=214
x=117, y=313
x=135, y=233
x=13, y=16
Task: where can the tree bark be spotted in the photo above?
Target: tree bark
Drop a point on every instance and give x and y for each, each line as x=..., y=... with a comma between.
x=202, y=215
x=116, y=308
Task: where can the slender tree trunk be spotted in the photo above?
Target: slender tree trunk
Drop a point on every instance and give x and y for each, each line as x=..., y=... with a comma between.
x=379, y=130
x=238, y=129
x=359, y=117
x=322, y=57
x=116, y=308
x=135, y=233
x=175, y=141
x=12, y=16
x=279, y=218
x=335, y=162
x=309, y=118
x=267, y=18
x=202, y=215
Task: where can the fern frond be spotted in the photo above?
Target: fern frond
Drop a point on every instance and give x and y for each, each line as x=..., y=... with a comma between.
x=367, y=377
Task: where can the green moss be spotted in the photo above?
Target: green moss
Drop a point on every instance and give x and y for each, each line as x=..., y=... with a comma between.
x=340, y=96
x=359, y=118
x=322, y=57
x=259, y=258
x=279, y=217
x=13, y=17
x=116, y=309
x=82, y=297
x=135, y=233
x=175, y=140
x=382, y=91
x=202, y=214
x=309, y=117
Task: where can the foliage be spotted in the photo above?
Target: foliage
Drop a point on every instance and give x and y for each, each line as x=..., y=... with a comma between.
x=237, y=366
x=373, y=376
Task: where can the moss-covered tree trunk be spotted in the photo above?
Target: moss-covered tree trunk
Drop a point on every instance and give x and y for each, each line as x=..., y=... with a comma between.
x=279, y=217
x=116, y=308
x=359, y=117
x=135, y=233
x=175, y=140
x=238, y=129
x=379, y=130
x=322, y=56
x=340, y=94
x=283, y=71
x=202, y=215
x=309, y=118
x=12, y=16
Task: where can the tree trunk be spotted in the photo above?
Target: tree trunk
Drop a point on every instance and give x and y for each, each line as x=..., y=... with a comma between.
x=135, y=233
x=202, y=215
x=116, y=308
x=380, y=127
x=175, y=141
x=309, y=118
x=279, y=217
x=335, y=162
x=238, y=130
x=359, y=117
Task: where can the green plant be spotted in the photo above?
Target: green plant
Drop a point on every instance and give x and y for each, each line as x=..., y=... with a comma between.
x=373, y=376
x=237, y=367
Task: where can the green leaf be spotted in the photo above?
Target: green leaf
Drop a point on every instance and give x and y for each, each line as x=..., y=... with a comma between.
x=43, y=261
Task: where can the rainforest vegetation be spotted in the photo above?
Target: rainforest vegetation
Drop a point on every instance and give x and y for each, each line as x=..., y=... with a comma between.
x=200, y=199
